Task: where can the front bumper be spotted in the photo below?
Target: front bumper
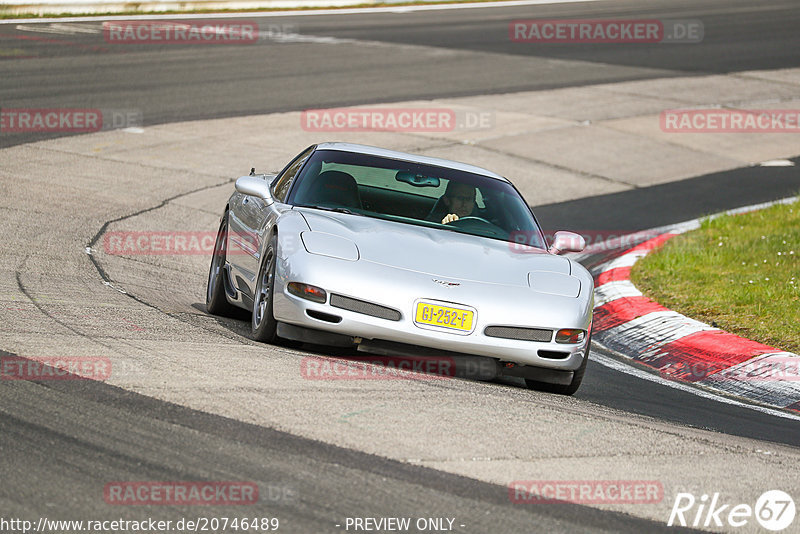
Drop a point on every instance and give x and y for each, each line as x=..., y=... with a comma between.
x=399, y=290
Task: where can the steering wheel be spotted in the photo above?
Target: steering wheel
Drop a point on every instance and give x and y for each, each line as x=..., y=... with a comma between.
x=477, y=224
x=471, y=218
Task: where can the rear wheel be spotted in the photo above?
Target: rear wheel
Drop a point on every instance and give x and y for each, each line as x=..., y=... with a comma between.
x=216, y=303
x=564, y=389
x=263, y=325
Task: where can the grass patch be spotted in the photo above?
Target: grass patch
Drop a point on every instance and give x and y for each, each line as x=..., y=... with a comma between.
x=740, y=273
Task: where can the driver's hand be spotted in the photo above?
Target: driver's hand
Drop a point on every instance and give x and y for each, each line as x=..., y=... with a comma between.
x=450, y=217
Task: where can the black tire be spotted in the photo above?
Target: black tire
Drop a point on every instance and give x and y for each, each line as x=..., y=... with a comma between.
x=216, y=303
x=564, y=389
x=263, y=326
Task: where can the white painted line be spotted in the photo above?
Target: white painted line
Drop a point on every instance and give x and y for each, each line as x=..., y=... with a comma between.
x=61, y=29
x=777, y=163
x=648, y=334
x=775, y=366
x=299, y=13
x=668, y=325
x=644, y=375
x=772, y=379
x=626, y=260
x=611, y=291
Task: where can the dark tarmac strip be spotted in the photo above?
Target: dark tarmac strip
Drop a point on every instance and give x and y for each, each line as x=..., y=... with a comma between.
x=611, y=388
x=674, y=202
x=65, y=440
x=393, y=57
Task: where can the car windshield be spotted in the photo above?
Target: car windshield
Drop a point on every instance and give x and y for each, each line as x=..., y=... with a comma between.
x=415, y=193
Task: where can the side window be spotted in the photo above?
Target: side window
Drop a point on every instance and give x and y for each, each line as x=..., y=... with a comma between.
x=282, y=185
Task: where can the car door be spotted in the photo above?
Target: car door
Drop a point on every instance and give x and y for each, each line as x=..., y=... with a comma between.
x=251, y=225
x=241, y=246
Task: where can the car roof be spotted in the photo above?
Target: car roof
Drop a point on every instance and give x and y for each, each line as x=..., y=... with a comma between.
x=404, y=156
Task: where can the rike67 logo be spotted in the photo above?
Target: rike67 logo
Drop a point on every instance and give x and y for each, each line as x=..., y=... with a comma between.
x=774, y=510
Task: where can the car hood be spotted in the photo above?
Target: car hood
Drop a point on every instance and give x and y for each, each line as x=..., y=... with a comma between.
x=446, y=254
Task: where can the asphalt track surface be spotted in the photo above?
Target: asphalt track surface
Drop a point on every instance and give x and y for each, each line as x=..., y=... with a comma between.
x=106, y=433
x=171, y=83
x=131, y=436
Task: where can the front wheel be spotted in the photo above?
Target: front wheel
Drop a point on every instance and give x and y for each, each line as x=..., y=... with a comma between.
x=216, y=303
x=263, y=325
x=564, y=389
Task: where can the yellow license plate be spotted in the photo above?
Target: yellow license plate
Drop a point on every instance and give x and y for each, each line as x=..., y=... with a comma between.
x=444, y=316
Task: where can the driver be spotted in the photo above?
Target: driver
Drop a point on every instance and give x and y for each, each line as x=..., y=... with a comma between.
x=459, y=201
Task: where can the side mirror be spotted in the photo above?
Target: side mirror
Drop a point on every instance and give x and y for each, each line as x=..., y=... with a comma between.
x=567, y=242
x=254, y=186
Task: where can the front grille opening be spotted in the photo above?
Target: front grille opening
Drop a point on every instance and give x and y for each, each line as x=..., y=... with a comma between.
x=553, y=354
x=364, y=307
x=541, y=335
x=322, y=316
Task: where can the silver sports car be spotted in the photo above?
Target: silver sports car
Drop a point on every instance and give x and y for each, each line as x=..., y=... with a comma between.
x=394, y=253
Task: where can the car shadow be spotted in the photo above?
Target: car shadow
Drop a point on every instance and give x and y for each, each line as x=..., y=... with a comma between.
x=325, y=363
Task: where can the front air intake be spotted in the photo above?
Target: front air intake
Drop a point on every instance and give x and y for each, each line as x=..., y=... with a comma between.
x=553, y=355
x=364, y=307
x=322, y=316
x=541, y=335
